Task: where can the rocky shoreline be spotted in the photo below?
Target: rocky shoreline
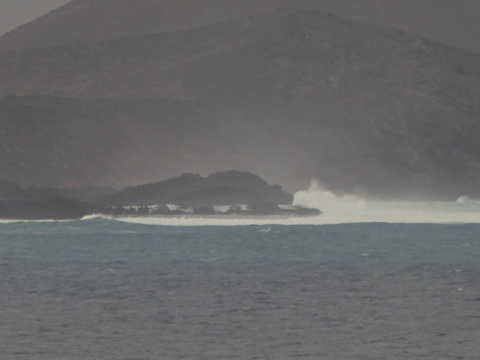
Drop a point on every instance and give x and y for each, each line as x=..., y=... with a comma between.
x=231, y=193
x=216, y=211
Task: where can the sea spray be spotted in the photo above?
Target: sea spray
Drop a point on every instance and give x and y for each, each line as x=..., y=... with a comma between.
x=351, y=209
x=336, y=209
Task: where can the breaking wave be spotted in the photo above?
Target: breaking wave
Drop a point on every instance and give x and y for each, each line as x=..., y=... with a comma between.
x=14, y=221
x=354, y=209
x=342, y=209
x=335, y=210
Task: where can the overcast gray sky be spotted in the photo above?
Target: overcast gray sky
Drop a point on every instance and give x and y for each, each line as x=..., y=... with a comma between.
x=14, y=13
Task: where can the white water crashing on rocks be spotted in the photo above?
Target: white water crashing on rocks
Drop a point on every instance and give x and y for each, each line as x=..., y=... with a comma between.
x=335, y=209
x=354, y=209
x=340, y=209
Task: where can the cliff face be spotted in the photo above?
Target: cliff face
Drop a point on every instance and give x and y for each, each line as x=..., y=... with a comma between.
x=289, y=94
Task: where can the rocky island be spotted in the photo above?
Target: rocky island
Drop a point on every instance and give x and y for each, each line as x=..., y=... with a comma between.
x=230, y=193
x=223, y=193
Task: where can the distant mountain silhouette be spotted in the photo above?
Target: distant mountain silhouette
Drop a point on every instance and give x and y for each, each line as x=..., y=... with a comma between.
x=290, y=95
x=17, y=202
x=452, y=22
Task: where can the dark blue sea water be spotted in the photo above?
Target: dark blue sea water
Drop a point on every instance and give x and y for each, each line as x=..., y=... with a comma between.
x=105, y=289
x=110, y=240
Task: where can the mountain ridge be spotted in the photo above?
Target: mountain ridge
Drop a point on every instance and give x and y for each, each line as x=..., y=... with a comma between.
x=447, y=21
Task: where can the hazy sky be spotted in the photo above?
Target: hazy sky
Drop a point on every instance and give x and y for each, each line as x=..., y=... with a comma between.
x=18, y=12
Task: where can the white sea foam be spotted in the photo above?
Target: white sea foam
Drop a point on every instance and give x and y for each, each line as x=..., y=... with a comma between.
x=349, y=208
x=96, y=216
x=2, y=221
x=14, y=221
x=336, y=210
x=220, y=220
x=341, y=209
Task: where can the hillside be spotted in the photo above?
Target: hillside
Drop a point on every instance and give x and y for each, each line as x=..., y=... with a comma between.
x=289, y=95
x=452, y=22
x=18, y=202
x=80, y=142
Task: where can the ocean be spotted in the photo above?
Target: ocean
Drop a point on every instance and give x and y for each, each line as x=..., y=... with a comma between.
x=275, y=288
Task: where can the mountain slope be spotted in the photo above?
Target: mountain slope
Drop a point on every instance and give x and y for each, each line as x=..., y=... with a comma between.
x=80, y=142
x=177, y=64
x=300, y=94
x=452, y=22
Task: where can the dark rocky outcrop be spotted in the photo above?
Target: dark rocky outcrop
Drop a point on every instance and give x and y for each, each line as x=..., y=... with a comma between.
x=188, y=194
x=218, y=194
x=193, y=190
x=252, y=210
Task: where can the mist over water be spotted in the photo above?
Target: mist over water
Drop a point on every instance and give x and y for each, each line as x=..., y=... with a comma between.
x=351, y=208
x=342, y=209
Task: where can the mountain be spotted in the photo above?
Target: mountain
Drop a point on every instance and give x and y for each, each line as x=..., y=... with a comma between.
x=289, y=94
x=68, y=142
x=222, y=188
x=452, y=22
